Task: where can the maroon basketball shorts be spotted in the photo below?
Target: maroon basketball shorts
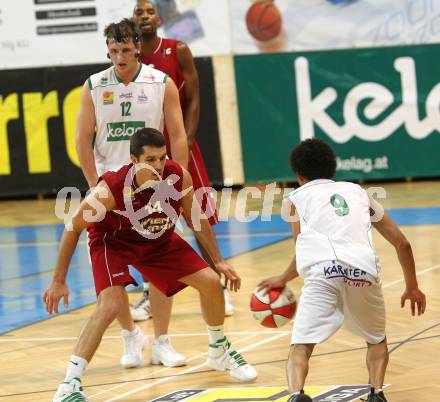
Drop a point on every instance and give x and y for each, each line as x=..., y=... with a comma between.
x=162, y=262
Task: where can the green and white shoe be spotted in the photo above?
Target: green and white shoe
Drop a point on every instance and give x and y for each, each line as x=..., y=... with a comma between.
x=221, y=357
x=70, y=392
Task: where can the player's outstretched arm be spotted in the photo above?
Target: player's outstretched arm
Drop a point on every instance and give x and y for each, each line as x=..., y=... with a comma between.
x=191, y=88
x=174, y=123
x=205, y=235
x=279, y=281
x=391, y=232
x=85, y=131
x=92, y=209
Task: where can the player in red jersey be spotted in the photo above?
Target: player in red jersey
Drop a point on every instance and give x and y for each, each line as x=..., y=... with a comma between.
x=131, y=215
x=175, y=59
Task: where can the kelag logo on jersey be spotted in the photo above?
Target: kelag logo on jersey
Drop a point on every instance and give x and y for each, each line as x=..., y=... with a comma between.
x=121, y=131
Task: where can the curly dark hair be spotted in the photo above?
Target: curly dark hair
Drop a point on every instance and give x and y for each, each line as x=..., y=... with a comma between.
x=122, y=31
x=313, y=159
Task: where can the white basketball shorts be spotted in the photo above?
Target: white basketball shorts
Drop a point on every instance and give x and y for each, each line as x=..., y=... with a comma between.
x=335, y=293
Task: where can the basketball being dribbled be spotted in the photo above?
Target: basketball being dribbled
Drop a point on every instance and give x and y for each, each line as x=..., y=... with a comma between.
x=275, y=308
x=263, y=20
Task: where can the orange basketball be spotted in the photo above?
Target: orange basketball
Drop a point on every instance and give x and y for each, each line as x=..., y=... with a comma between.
x=263, y=20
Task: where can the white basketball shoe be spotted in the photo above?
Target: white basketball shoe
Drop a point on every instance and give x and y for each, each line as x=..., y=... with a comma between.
x=162, y=352
x=134, y=344
x=142, y=310
x=71, y=391
x=221, y=357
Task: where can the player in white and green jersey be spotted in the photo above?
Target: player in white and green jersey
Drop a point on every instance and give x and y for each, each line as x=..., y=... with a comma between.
x=122, y=99
x=331, y=224
x=122, y=109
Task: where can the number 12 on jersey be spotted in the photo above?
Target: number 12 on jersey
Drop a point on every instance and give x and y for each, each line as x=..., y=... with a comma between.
x=125, y=106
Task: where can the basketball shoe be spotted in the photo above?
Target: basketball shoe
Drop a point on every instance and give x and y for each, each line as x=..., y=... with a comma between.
x=301, y=397
x=71, y=391
x=142, y=310
x=373, y=397
x=134, y=344
x=221, y=357
x=162, y=352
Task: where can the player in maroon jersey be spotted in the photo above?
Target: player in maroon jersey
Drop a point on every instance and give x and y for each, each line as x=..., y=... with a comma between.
x=125, y=215
x=175, y=59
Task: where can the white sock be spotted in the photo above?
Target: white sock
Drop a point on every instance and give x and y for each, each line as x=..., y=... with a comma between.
x=146, y=286
x=75, y=368
x=216, y=332
x=126, y=332
x=376, y=391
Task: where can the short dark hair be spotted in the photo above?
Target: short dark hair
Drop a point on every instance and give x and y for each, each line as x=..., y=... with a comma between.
x=313, y=159
x=122, y=31
x=146, y=137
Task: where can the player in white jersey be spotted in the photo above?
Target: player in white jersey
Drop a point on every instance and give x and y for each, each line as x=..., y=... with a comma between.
x=331, y=225
x=117, y=102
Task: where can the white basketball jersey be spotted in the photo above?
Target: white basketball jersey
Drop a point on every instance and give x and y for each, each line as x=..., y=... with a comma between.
x=335, y=225
x=121, y=110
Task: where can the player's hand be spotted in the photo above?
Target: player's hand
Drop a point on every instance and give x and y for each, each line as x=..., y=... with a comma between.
x=231, y=277
x=417, y=297
x=54, y=292
x=271, y=283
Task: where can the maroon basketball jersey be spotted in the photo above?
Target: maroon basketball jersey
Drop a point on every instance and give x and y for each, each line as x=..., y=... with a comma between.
x=164, y=58
x=153, y=211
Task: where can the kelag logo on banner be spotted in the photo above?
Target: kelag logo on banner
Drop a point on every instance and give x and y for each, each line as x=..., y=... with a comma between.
x=378, y=108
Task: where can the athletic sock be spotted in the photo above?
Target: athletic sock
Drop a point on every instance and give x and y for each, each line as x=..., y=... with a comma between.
x=216, y=333
x=75, y=368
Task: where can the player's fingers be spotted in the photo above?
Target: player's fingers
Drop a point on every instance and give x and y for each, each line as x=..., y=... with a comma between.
x=413, y=307
x=56, y=301
x=66, y=300
x=234, y=285
x=402, y=302
x=49, y=305
x=422, y=305
x=45, y=297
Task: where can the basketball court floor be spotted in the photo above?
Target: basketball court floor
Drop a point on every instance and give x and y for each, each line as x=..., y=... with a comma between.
x=34, y=348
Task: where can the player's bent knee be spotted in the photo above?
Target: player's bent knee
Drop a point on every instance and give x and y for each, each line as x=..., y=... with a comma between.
x=206, y=281
x=110, y=302
x=212, y=281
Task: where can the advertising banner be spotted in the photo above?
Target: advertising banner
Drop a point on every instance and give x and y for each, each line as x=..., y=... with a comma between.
x=36, y=33
x=38, y=116
x=287, y=25
x=379, y=108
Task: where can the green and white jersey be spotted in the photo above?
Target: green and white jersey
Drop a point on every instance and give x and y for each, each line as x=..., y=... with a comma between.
x=121, y=110
x=335, y=225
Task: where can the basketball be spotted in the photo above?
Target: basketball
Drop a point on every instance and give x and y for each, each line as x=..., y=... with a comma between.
x=263, y=20
x=275, y=308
